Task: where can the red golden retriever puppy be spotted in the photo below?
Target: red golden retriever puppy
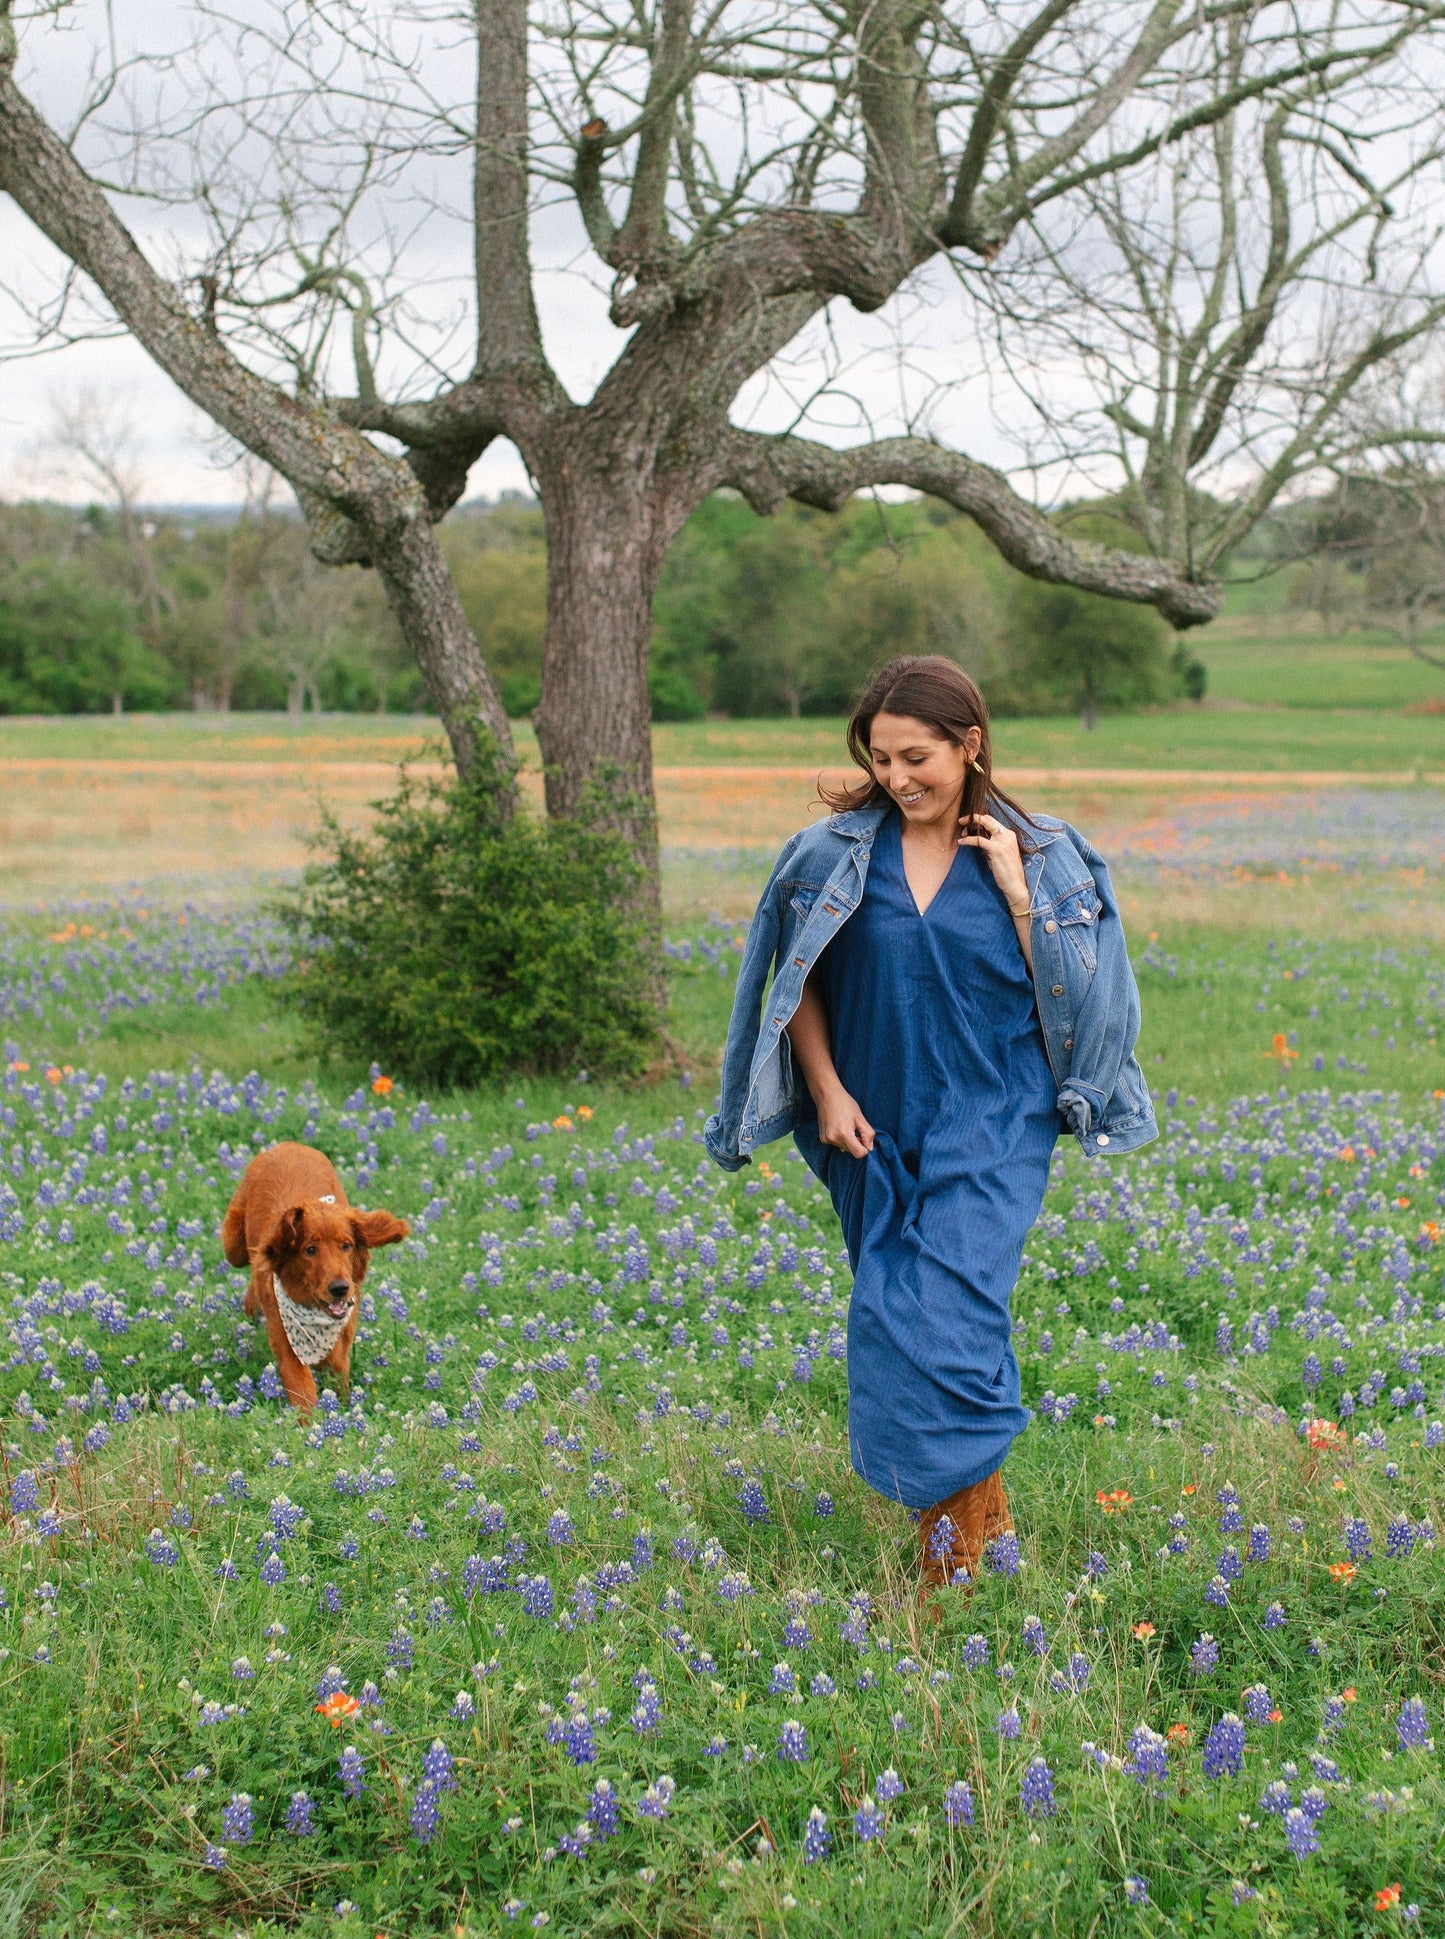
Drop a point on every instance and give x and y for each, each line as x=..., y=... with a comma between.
x=308, y=1251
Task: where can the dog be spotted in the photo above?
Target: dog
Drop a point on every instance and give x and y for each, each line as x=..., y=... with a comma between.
x=308, y=1251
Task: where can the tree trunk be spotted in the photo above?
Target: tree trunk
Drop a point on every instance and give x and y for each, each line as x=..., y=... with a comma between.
x=594, y=724
x=117, y=702
x=423, y=598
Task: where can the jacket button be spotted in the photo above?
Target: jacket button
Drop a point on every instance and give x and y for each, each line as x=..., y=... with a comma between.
x=1102, y=1139
x=1058, y=989
x=1068, y=1043
x=1050, y=927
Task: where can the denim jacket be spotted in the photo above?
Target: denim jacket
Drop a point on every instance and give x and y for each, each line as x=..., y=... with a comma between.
x=1087, y=999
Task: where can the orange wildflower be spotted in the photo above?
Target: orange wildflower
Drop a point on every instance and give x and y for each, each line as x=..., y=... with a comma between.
x=1346, y=1154
x=1143, y=1631
x=1343, y=1571
x=1115, y=1502
x=1402, y=1201
x=1276, y=1716
x=1430, y=1232
x=1188, y=1488
x=584, y=1111
x=20, y=1064
x=562, y=1122
x=338, y=1707
x=1178, y=1733
x=1386, y=1896
x=1321, y=1433
x=1280, y=1049
x=1351, y=1695
x=1417, y=1171
x=382, y=1086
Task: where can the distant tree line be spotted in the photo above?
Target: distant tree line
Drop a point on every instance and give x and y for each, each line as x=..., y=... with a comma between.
x=113, y=609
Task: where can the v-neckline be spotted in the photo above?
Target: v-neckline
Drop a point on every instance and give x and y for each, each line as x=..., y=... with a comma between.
x=921, y=913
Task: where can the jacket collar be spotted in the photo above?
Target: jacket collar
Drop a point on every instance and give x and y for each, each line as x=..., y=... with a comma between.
x=865, y=822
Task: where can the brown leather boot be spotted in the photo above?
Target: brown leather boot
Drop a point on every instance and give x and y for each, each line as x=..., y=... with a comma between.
x=953, y=1533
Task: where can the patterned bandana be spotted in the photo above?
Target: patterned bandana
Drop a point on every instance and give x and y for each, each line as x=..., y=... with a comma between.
x=312, y=1331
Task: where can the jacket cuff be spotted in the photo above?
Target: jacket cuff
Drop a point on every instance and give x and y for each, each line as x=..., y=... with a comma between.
x=718, y=1148
x=1081, y=1105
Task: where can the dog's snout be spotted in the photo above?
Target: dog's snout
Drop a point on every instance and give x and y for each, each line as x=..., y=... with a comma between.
x=338, y=1287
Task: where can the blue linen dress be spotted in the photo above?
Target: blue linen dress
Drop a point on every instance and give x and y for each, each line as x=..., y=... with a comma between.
x=935, y=1034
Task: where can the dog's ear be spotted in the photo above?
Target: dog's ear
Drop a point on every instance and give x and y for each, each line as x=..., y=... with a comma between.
x=378, y=1228
x=285, y=1238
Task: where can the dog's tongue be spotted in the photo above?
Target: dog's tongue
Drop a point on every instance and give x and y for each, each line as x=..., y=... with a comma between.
x=338, y=1308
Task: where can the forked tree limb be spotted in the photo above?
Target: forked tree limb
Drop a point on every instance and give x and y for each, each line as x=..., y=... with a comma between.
x=766, y=470
x=360, y=502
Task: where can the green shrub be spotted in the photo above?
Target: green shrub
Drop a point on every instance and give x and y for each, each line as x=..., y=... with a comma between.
x=457, y=942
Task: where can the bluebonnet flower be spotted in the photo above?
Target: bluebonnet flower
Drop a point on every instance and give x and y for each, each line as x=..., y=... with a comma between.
x=1224, y=1747
x=577, y=1738
x=1036, y=1791
x=1333, y=1718
x=1148, y=1755
x=437, y=1766
x=1399, y=1537
x=656, y=1800
x=329, y=1684
x=1357, y=1539
x=822, y=1685
x=463, y=1708
x=817, y=1839
x=401, y=1649
x=641, y=1552
x=603, y=1810
x=1136, y=1889
x=1035, y=1636
x=1314, y=1803
x=1258, y=1549
x=560, y=1532
x=1216, y=1592
x=424, y=1816
x=715, y=1747
x=647, y=1712
x=1412, y=1726
x=1097, y=1565
x=214, y=1857
x=823, y=1506
x=1257, y=1703
x=889, y=1785
x=237, y=1820
x=25, y=1493
x=299, y=1820
x=1204, y=1656
x=1273, y=1617
x=868, y=1821
x=958, y=1802
x=273, y=1570
x=797, y=1635
x=161, y=1550
x=1009, y=1722
x=784, y=1683
x=1300, y=1834
x=538, y=1599
x=753, y=1502
x=1277, y=1798
x=792, y=1743
x=1002, y=1554
x=349, y=1768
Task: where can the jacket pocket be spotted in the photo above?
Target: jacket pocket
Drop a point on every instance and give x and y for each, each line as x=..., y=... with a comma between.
x=805, y=894
x=1077, y=915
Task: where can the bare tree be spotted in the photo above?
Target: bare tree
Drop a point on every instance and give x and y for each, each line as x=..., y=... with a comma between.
x=99, y=432
x=736, y=170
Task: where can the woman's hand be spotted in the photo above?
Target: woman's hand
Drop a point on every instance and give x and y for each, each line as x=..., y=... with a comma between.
x=1000, y=845
x=842, y=1124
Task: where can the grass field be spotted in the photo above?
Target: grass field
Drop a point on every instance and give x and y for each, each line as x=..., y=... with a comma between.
x=610, y=1638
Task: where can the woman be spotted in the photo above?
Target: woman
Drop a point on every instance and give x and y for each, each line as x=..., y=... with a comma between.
x=949, y=976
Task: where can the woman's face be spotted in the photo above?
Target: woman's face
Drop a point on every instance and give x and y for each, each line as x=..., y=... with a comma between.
x=922, y=771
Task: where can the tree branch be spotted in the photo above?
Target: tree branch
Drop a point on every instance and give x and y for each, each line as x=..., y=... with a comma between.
x=767, y=470
x=507, y=328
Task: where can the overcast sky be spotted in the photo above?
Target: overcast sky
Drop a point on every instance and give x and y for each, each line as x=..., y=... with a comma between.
x=913, y=366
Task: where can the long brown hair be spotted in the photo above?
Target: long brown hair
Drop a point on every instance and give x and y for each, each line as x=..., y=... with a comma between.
x=926, y=687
